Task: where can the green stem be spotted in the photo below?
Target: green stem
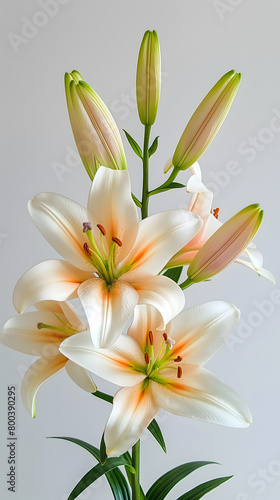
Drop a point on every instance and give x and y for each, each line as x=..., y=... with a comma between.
x=102, y=395
x=165, y=185
x=145, y=190
x=136, y=493
x=186, y=284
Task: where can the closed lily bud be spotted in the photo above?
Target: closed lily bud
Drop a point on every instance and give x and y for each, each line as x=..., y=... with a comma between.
x=95, y=131
x=226, y=244
x=206, y=121
x=148, y=78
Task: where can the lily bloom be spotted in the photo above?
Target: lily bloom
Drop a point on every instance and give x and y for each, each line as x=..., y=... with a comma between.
x=40, y=333
x=113, y=260
x=201, y=204
x=164, y=371
x=95, y=131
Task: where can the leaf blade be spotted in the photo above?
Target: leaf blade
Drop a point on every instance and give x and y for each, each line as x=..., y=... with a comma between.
x=136, y=148
x=201, y=490
x=174, y=273
x=155, y=430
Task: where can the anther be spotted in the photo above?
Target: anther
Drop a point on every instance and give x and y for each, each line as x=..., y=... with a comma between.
x=87, y=226
x=39, y=325
x=147, y=358
x=178, y=359
x=101, y=229
x=86, y=249
x=165, y=336
x=179, y=372
x=215, y=212
x=116, y=240
x=151, y=338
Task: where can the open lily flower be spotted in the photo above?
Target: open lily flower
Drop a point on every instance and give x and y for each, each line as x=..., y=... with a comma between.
x=113, y=260
x=164, y=371
x=40, y=333
x=201, y=204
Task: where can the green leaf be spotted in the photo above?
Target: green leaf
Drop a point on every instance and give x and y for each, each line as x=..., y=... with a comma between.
x=136, y=148
x=160, y=489
x=115, y=477
x=136, y=201
x=174, y=273
x=172, y=185
x=103, y=454
x=95, y=473
x=202, y=489
x=154, y=429
x=102, y=395
x=152, y=149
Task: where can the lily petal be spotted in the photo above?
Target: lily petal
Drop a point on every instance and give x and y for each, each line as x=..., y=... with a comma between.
x=81, y=377
x=21, y=333
x=115, y=364
x=52, y=279
x=164, y=294
x=60, y=220
x=133, y=410
x=202, y=331
x=200, y=394
x=159, y=238
x=146, y=318
x=107, y=309
x=111, y=203
x=36, y=375
x=261, y=272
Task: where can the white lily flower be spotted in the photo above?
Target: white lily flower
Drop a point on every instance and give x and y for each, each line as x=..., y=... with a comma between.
x=155, y=376
x=40, y=333
x=201, y=204
x=113, y=259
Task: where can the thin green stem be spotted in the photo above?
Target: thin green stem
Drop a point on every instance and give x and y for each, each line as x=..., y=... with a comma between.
x=136, y=492
x=102, y=395
x=165, y=185
x=145, y=190
x=186, y=284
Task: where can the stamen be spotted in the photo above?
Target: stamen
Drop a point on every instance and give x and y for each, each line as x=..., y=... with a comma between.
x=87, y=226
x=116, y=240
x=147, y=358
x=179, y=372
x=86, y=249
x=39, y=325
x=215, y=212
x=151, y=338
x=165, y=336
x=178, y=359
x=102, y=229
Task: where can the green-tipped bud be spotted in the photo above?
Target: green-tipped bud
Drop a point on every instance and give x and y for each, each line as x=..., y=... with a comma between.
x=206, y=121
x=95, y=131
x=226, y=244
x=148, y=78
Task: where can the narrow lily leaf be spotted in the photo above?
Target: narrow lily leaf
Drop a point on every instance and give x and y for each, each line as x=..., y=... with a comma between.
x=160, y=489
x=103, y=454
x=115, y=477
x=136, y=148
x=201, y=490
x=172, y=185
x=95, y=473
x=102, y=395
x=154, y=429
x=153, y=147
x=174, y=273
x=136, y=201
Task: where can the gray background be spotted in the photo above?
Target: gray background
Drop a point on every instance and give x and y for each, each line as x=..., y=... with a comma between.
x=200, y=41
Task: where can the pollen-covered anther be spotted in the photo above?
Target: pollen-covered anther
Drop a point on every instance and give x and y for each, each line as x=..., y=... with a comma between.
x=86, y=249
x=147, y=358
x=87, y=226
x=39, y=325
x=117, y=241
x=101, y=229
x=215, y=212
x=179, y=372
x=178, y=359
x=165, y=336
x=151, y=338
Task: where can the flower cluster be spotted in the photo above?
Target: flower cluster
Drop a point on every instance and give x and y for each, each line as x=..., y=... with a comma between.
x=118, y=266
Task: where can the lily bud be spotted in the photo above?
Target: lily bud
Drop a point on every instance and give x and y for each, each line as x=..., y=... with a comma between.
x=226, y=244
x=148, y=78
x=95, y=131
x=206, y=121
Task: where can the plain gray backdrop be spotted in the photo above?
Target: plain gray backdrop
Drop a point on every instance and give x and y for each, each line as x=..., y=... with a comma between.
x=200, y=41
